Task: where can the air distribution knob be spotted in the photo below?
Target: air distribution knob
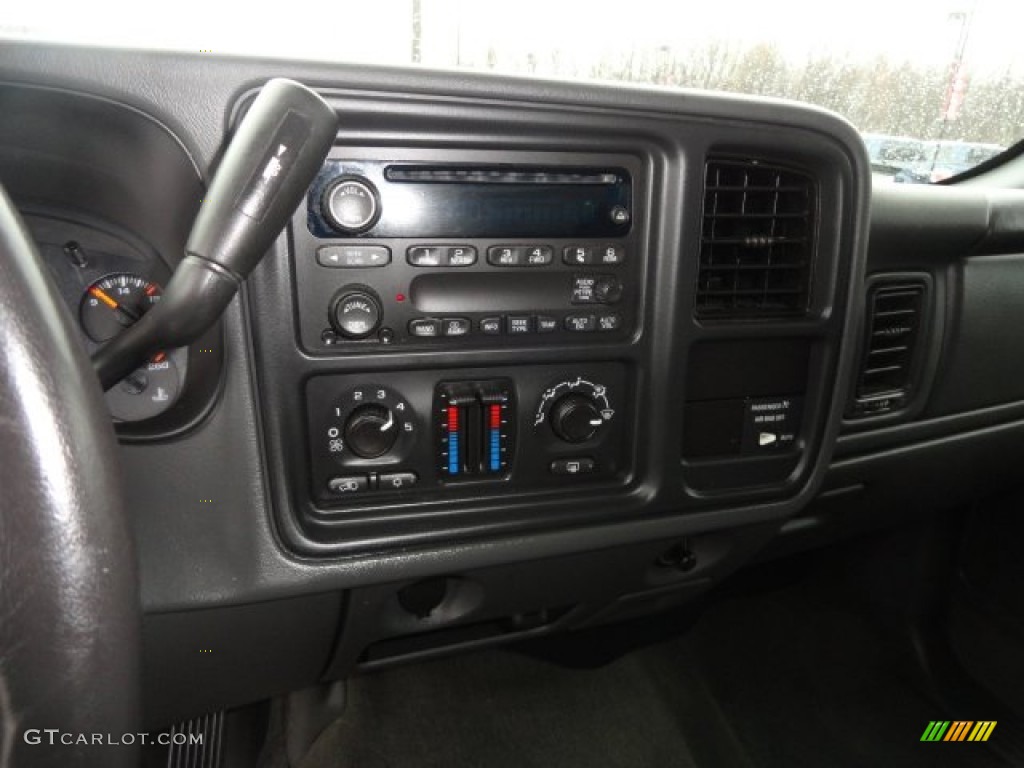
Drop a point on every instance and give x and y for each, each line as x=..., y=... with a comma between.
x=371, y=431
x=576, y=418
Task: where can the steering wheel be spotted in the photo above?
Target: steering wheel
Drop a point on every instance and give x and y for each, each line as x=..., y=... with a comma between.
x=69, y=605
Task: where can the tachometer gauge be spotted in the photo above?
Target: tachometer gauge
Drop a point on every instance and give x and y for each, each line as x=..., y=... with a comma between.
x=117, y=301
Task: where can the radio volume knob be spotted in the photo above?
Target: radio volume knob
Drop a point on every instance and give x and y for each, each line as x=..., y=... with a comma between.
x=355, y=313
x=576, y=418
x=351, y=204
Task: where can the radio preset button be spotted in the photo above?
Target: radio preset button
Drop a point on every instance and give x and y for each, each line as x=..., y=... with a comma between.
x=460, y=256
x=611, y=255
x=455, y=326
x=520, y=324
x=350, y=256
x=506, y=256
x=539, y=255
x=546, y=324
x=490, y=326
x=578, y=255
x=425, y=328
x=580, y=323
x=426, y=256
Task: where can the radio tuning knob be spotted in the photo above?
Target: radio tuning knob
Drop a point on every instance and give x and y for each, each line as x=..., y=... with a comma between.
x=355, y=312
x=576, y=418
x=351, y=204
x=371, y=431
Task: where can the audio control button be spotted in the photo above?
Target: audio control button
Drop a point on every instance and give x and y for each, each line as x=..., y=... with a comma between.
x=455, y=326
x=578, y=255
x=611, y=255
x=519, y=324
x=506, y=256
x=460, y=256
x=546, y=324
x=539, y=255
x=355, y=313
x=351, y=256
x=426, y=256
x=607, y=289
x=580, y=323
x=425, y=328
x=612, y=322
x=490, y=326
x=351, y=205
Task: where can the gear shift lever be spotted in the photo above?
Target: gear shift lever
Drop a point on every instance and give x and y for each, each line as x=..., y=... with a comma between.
x=273, y=157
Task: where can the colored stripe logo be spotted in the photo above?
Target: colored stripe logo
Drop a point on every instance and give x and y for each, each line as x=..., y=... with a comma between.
x=958, y=730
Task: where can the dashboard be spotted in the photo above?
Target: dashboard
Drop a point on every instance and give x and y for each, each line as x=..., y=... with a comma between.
x=529, y=357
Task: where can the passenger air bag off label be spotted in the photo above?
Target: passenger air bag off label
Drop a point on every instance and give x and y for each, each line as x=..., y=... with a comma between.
x=771, y=424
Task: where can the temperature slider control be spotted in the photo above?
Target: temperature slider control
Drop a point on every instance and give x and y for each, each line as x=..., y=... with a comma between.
x=476, y=429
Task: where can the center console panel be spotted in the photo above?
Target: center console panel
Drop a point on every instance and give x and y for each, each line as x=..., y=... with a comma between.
x=499, y=327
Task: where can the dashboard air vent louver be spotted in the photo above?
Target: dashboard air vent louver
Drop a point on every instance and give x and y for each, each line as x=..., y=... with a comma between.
x=757, y=241
x=893, y=330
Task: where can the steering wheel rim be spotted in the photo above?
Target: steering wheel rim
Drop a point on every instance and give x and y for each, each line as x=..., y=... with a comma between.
x=70, y=622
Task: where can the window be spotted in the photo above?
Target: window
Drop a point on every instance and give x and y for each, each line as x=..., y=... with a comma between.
x=944, y=80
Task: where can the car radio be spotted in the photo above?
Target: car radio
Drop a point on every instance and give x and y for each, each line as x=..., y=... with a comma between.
x=438, y=249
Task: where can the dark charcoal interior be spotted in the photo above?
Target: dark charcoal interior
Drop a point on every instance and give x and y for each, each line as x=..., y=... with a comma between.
x=666, y=440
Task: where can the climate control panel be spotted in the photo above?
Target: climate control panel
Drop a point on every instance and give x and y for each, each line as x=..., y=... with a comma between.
x=471, y=431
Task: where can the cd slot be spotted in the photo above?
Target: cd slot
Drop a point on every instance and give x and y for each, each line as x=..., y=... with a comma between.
x=460, y=174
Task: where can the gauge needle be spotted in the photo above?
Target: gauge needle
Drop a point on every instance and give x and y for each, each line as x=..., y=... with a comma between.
x=105, y=297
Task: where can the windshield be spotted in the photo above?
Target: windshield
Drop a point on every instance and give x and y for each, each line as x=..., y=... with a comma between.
x=935, y=87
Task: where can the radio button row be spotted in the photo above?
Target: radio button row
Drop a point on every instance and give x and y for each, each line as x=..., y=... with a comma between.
x=353, y=256
x=441, y=256
x=520, y=255
x=431, y=328
x=583, y=255
x=588, y=323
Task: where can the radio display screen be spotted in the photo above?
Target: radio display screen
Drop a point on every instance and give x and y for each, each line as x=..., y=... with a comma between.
x=454, y=202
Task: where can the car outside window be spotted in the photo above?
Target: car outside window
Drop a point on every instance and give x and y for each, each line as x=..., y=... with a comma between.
x=942, y=83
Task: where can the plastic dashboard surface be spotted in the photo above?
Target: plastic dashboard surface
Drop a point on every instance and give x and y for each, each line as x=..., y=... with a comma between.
x=266, y=508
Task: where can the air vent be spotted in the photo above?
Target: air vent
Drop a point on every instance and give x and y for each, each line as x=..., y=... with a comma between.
x=893, y=330
x=757, y=241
